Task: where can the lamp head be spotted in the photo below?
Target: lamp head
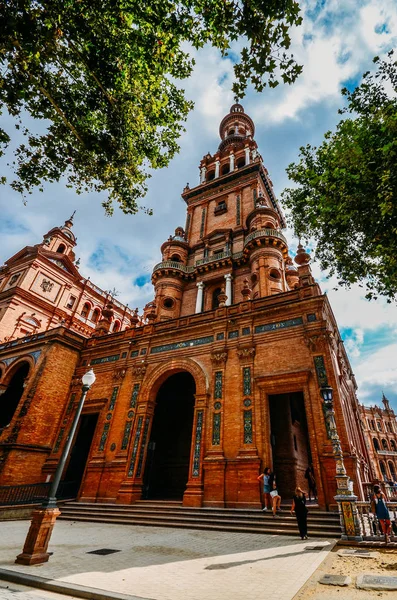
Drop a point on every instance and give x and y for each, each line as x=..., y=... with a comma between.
x=327, y=393
x=88, y=378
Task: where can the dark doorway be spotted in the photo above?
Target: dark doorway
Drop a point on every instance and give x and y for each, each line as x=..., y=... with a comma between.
x=10, y=399
x=79, y=454
x=168, y=457
x=290, y=442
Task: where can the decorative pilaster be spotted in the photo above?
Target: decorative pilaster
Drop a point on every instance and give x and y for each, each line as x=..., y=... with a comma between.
x=217, y=165
x=199, y=299
x=228, y=291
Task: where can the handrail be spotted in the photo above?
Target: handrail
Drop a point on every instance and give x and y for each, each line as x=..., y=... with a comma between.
x=213, y=258
x=34, y=493
x=264, y=233
x=172, y=264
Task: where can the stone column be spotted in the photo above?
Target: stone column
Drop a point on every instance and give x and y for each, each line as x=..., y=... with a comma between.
x=247, y=156
x=199, y=299
x=231, y=161
x=217, y=163
x=228, y=290
x=202, y=174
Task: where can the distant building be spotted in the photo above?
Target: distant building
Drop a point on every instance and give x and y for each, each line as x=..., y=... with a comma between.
x=219, y=378
x=41, y=288
x=380, y=429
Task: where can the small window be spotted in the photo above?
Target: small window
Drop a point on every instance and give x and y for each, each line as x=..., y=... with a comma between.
x=225, y=169
x=384, y=444
x=379, y=425
x=85, y=310
x=168, y=303
x=211, y=175
x=176, y=258
x=274, y=274
x=230, y=132
x=71, y=302
x=218, y=252
x=96, y=315
x=61, y=248
x=116, y=326
x=376, y=444
x=241, y=163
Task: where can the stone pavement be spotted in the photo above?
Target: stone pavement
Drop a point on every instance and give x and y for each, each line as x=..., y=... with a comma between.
x=160, y=563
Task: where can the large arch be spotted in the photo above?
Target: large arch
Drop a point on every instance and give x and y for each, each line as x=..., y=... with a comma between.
x=15, y=380
x=156, y=378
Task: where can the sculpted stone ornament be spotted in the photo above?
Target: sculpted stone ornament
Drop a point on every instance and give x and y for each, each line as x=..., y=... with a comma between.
x=139, y=370
x=219, y=357
x=246, y=291
x=119, y=374
x=246, y=353
x=46, y=285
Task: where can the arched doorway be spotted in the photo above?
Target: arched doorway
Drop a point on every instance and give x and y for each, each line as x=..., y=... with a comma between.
x=10, y=399
x=168, y=457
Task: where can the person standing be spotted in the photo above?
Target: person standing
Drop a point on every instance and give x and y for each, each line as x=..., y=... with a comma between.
x=299, y=508
x=311, y=482
x=379, y=508
x=276, y=499
x=267, y=479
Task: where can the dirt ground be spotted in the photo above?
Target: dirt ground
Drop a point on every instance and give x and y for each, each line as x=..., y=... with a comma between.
x=383, y=563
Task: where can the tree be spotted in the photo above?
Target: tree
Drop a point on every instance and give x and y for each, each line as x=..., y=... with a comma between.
x=346, y=194
x=101, y=74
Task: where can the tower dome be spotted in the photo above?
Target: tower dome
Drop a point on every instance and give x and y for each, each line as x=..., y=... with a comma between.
x=235, y=127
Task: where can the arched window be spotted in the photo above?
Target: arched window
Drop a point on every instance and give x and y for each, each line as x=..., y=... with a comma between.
x=225, y=169
x=215, y=297
x=393, y=445
x=61, y=248
x=383, y=470
x=10, y=399
x=230, y=132
x=376, y=444
x=392, y=470
x=384, y=445
x=86, y=310
x=241, y=163
x=176, y=258
x=116, y=326
x=96, y=315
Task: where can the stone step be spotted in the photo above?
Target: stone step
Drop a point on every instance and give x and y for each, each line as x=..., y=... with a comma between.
x=164, y=507
x=254, y=516
x=164, y=514
x=278, y=527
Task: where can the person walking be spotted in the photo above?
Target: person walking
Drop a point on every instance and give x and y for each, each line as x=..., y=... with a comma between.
x=311, y=482
x=267, y=480
x=379, y=508
x=299, y=508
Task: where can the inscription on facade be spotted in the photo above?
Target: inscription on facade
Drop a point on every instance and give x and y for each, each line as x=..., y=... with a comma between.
x=279, y=325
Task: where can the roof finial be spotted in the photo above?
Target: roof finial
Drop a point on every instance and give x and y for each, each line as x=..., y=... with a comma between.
x=69, y=222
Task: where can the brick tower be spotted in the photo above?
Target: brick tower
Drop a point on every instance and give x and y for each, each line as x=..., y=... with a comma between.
x=221, y=375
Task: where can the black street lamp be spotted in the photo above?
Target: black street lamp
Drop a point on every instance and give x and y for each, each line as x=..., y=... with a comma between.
x=43, y=519
x=87, y=380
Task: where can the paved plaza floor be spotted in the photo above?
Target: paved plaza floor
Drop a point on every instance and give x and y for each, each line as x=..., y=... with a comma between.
x=157, y=563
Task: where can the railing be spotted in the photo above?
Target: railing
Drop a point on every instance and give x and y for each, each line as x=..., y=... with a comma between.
x=35, y=493
x=370, y=527
x=213, y=258
x=384, y=452
x=172, y=264
x=264, y=233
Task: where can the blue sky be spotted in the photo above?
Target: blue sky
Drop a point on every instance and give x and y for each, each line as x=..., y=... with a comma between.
x=336, y=44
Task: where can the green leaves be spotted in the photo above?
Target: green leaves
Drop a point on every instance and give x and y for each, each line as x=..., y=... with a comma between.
x=346, y=194
x=102, y=74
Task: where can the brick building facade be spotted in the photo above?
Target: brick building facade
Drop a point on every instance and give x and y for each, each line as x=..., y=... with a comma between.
x=219, y=378
x=41, y=288
x=380, y=429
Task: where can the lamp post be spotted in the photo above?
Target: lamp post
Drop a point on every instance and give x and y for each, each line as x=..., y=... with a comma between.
x=43, y=519
x=345, y=497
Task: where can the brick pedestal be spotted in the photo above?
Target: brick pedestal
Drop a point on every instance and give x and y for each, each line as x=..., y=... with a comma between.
x=36, y=543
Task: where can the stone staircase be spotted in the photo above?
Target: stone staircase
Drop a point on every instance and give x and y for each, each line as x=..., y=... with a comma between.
x=165, y=513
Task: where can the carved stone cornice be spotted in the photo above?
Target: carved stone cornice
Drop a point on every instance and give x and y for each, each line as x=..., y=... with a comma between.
x=219, y=357
x=246, y=353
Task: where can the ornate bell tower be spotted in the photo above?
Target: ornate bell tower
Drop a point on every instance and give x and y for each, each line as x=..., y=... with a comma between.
x=232, y=243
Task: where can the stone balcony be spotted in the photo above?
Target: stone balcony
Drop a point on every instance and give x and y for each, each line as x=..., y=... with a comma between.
x=172, y=265
x=263, y=233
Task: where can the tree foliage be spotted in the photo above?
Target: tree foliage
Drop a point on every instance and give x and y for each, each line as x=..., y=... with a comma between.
x=102, y=74
x=346, y=194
